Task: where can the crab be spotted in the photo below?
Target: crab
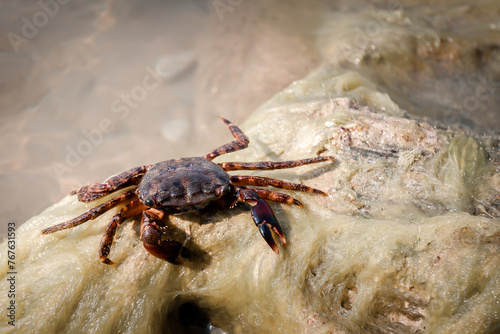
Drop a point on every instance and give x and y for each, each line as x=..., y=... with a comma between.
x=185, y=185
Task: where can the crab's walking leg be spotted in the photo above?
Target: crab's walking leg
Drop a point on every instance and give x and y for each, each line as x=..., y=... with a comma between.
x=128, y=211
x=263, y=217
x=262, y=165
x=151, y=233
x=92, y=213
x=261, y=181
x=240, y=143
x=97, y=190
x=275, y=196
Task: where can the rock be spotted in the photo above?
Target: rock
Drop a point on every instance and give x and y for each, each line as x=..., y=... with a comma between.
x=407, y=241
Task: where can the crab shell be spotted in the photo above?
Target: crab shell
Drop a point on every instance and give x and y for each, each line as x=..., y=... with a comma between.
x=183, y=185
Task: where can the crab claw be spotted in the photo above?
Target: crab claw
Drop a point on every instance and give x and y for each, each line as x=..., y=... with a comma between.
x=168, y=250
x=265, y=220
x=151, y=236
x=263, y=217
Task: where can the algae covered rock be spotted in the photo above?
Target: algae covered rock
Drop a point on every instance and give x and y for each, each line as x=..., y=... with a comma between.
x=395, y=247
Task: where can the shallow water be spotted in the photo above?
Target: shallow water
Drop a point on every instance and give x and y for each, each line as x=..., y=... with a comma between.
x=100, y=88
x=90, y=88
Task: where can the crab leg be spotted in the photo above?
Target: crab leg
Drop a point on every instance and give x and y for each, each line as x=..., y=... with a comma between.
x=240, y=143
x=263, y=217
x=169, y=250
x=97, y=190
x=262, y=181
x=128, y=211
x=92, y=213
x=275, y=196
x=262, y=165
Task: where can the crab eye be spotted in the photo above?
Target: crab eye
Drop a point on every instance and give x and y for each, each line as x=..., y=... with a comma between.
x=149, y=202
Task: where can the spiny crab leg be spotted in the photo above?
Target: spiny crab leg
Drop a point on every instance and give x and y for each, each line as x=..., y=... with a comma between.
x=263, y=217
x=128, y=211
x=92, y=213
x=241, y=142
x=126, y=179
x=275, y=196
x=262, y=181
x=266, y=165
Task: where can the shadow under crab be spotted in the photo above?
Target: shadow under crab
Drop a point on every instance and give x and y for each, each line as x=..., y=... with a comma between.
x=187, y=185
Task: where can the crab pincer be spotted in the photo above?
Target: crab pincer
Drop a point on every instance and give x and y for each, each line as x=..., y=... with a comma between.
x=265, y=220
x=151, y=236
x=263, y=217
